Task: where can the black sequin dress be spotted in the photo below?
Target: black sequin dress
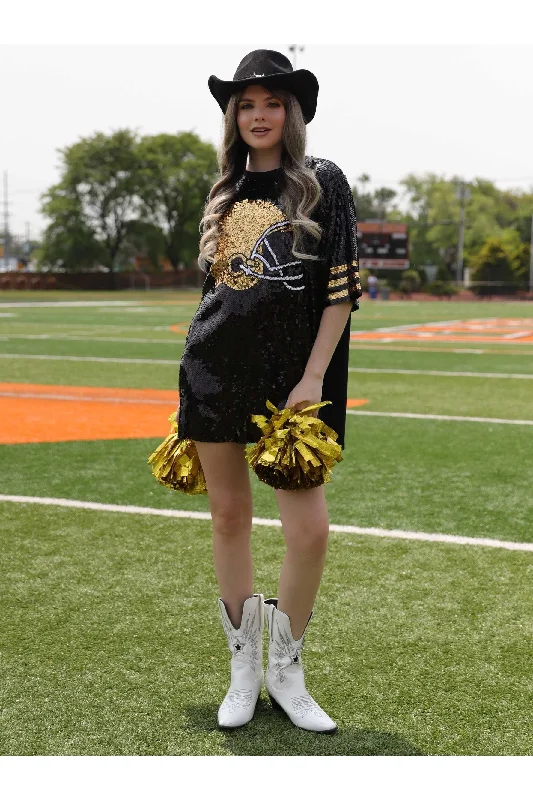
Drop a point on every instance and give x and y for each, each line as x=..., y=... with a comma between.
x=252, y=334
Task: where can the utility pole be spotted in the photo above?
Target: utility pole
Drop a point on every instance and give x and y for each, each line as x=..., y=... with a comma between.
x=6, y=224
x=462, y=194
x=531, y=258
x=293, y=48
x=27, y=245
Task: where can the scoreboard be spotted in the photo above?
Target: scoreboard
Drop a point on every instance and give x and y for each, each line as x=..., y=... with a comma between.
x=383, y=245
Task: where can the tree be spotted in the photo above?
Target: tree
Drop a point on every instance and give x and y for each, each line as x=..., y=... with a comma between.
x=146, y=239
x=98, y=193
x=432, y=218
x=493, y=264
x=372, y=205
x=176, y=173
x=410, y=282
x=68, y=243
x=382, y=198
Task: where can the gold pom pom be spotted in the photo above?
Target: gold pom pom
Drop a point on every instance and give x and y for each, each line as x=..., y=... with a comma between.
x=296, y=450
x=176, y=464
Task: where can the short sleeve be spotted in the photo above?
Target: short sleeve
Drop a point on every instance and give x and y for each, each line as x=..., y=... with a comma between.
x=205, y=263
x=340, y=240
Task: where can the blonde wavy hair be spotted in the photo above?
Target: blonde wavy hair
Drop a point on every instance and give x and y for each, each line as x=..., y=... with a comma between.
x=301, y=191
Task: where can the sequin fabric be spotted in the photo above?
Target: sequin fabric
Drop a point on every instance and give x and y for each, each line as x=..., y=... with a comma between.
x=254, y=329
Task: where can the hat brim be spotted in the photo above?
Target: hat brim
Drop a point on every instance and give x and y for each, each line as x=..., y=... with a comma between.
x=302, y=83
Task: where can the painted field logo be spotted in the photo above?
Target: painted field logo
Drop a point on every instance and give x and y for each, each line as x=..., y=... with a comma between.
x=502, y=330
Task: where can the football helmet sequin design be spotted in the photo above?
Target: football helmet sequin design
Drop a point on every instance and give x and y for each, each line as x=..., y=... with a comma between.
x=255, y=244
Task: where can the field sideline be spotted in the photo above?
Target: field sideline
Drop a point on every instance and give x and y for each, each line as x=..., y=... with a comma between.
x=422, y=633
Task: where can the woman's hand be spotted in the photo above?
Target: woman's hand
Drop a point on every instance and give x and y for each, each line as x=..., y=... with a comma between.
x=306, y=393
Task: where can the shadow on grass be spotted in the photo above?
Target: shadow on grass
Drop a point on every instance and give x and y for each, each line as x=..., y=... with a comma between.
x=271, y=733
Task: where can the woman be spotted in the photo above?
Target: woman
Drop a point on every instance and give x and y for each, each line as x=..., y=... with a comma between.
x=280, y=251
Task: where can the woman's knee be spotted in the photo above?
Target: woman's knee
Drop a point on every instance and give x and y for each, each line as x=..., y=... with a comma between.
x=312, y=540
x=305, y=520
x=232, y=520
x=228, y=486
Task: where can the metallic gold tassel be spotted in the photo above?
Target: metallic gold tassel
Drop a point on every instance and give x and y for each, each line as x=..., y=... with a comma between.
x=296, y=450
x=176, y=464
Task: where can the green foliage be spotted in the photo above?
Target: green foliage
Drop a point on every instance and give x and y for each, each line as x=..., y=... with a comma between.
x=493, y=268
x=68, y=242
x=144, y=239
x=444, y=274
x=119, y=195
x=97, y=194
x=440, y=288
x=176, y=174
x=410, y=281
x=373, y=205
x=518, y=254
x=422, y=275
x=432, y=217
x=521, y=261
x=363, y=278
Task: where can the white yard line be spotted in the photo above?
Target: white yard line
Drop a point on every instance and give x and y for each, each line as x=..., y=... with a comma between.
x=409, y=326
x=99, y=359
x=101, y=326
x=86, y=399
x=354, y=344
x=88, y=338
x=71, y=303
x=445, y=417
x=416, y=348
x=271, y=523
x=441, y=373
x=404, y=415
x=363, y=370
x=367, y=370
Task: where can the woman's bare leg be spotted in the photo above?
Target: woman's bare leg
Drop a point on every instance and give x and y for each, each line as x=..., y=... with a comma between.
x=305, y=521
x=227, y=477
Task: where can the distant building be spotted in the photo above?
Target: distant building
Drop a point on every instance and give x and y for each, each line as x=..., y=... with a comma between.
x=8, y=264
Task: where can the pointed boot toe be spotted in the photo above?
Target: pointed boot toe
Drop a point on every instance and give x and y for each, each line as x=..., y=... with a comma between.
x=237, y=708
x=284, y=678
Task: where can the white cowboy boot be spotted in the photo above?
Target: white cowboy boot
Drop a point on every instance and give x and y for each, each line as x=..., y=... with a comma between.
x=284, y=680
x=246, y=648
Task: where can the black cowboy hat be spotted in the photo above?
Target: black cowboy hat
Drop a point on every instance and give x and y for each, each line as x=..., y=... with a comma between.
x=274, y=69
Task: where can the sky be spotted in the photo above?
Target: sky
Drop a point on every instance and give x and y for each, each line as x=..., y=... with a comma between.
x=383, y=109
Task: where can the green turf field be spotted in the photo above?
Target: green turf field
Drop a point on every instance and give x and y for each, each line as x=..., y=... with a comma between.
x=110, y=642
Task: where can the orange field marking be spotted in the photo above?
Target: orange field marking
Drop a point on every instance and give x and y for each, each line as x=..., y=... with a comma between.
x=157, y=396
x=179, y=328
x=43, y=413
x=37, y=413
x=501, y=330
x=408, y=336
x=356, y=402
